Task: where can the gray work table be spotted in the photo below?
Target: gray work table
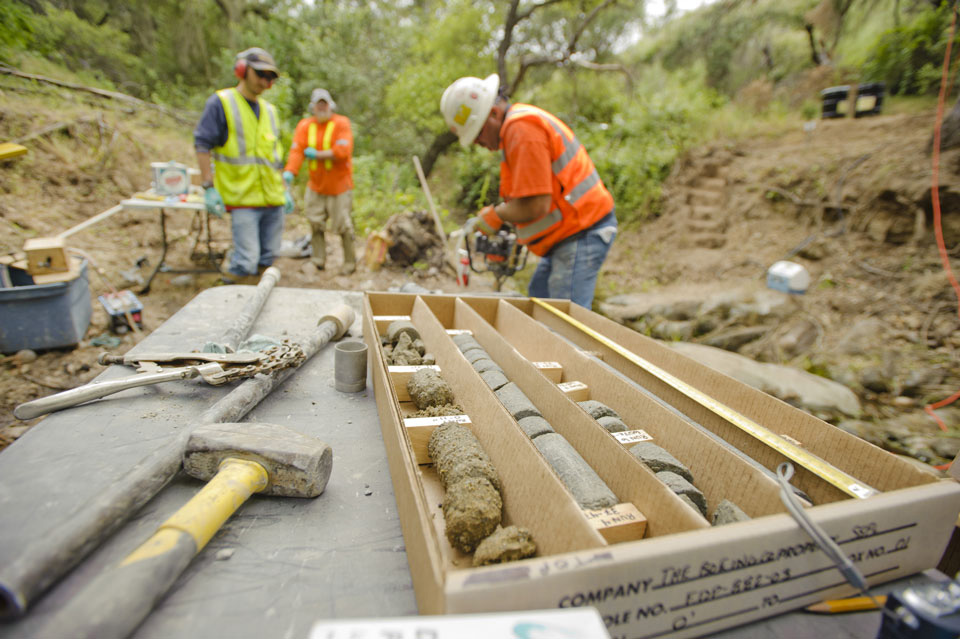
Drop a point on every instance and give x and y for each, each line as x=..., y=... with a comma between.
x=294, y=560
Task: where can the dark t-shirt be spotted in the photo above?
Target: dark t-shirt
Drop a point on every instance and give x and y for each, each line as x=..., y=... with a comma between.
x=211, y=130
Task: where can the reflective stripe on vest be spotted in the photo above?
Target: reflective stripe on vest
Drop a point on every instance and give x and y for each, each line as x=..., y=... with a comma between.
x=312, y=142
x=570, y=161
x=327, y=138
x=247, y=166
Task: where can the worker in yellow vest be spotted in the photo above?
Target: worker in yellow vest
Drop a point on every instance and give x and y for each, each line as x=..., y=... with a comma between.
x=240, y=132
x=326, y=141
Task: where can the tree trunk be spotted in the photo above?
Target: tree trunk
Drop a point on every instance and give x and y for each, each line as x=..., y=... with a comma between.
x=440, y=144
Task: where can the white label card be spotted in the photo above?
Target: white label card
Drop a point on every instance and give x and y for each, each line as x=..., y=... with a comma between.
x=633, y=436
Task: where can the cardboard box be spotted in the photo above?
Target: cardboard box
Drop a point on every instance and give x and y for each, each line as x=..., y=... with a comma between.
x=685, y=578
x=46, y=255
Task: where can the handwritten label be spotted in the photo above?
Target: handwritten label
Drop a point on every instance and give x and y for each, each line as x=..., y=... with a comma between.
x=633, y=436
x=459, y=331
x=567, y=387
x=547, y=364
x=413, y=422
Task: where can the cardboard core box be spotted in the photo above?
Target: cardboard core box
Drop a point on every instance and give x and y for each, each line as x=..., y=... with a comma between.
x=683, y=578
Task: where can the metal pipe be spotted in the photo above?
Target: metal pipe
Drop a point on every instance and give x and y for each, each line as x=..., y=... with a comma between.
x=52, y=555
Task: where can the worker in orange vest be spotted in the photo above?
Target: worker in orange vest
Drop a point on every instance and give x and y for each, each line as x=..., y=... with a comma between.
x=551, y=190
x=326, y=141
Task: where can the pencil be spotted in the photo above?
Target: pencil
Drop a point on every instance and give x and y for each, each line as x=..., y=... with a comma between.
x=850, y=604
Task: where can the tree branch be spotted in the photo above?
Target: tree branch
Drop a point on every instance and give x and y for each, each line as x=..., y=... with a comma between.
x=113, y=95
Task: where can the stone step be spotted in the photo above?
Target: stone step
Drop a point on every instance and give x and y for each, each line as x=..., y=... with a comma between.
x=705, y=240
x=704, y=197
x=707, y=226
x=703, y=212
x=711, y=183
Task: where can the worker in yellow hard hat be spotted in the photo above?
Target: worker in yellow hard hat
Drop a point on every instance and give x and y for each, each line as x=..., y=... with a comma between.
x=550, y=188
x=240, y=132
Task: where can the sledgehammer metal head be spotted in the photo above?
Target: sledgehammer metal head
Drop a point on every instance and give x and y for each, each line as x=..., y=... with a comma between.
x=297, y=465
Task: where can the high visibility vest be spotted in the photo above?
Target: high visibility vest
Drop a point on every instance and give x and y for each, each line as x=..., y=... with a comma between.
x=327, y=142
x=579, y=199
x=247, y=166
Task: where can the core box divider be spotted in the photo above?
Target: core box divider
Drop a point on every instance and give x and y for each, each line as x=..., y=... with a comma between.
x=533, y=496
x=718, y=472
x=630, y=480
x=686, y=584
x=866, y=462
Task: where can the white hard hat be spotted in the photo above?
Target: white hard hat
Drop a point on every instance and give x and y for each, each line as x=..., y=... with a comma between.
x=322, y=94
x=466, y=104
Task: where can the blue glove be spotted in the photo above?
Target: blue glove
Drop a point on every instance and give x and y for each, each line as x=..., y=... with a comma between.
x=288, y=177
x=310, y=152
x=214, y=202
x=287, y=203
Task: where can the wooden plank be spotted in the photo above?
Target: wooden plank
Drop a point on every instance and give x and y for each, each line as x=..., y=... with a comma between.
x=577, y=391
x=619, y=523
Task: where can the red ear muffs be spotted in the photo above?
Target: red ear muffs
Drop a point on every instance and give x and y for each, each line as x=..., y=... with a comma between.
x=240, y=68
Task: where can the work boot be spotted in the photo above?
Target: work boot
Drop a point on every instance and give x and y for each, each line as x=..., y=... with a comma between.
x=349, y=254
x=319, y=244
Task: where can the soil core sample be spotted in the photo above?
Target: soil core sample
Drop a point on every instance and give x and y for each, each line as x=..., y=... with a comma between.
x=505, y=544
x=427, y=388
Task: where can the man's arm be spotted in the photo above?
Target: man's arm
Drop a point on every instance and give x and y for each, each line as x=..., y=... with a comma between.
x=524, y=209
x=295, y=157
x=210, y=133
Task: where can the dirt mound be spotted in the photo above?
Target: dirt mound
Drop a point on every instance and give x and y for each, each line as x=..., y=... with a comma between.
x=849, y=200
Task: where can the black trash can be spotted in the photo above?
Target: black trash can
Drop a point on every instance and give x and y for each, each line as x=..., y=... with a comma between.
x=833, y=102
x=870, y=99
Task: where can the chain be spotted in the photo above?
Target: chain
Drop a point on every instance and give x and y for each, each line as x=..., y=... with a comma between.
x=286, y=355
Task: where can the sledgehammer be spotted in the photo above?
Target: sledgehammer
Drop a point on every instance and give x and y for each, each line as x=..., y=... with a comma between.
x=238, y=460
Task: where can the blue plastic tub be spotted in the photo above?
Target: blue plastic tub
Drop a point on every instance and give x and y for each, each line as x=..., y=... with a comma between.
x=43, y=316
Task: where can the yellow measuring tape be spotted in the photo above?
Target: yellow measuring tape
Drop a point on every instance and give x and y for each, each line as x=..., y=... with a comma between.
x=816, y=465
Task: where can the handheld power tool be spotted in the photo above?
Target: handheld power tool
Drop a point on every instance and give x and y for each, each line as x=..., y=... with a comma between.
x=499, y=254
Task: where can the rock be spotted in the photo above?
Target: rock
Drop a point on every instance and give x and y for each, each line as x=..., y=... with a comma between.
x=309, y=269
x=475, y=354
x=495, y=379
x=873, y=379
x=612, y=424
x=466, y=342
x=917, y=380
x=486, y=365
x=597, y=409
x=25, y=356
x=800, y=335
x=946, y=447
x=728, y=512
x=429, y=359
x=732, y=339
x=587, y=488
x=516, y=403
x=657, y=459
x=182, y=281
x=862, y=336
x=798, y=387
x=505, y=544
x=681, y=486
x=397, y=328
x=902, y=401
x=677, y=331
x=427, y=388
x=534, y=426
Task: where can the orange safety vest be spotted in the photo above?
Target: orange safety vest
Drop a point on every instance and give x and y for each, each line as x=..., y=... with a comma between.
x=327, y=138
x=579, y=199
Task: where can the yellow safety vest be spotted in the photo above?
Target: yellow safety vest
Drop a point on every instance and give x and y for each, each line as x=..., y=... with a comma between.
x=247, y=167
x=327, y=140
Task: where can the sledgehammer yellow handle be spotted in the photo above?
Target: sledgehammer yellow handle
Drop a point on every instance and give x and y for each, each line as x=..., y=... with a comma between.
x=115, y=603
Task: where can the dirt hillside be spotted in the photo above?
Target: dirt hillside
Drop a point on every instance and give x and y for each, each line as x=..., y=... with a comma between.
x=849, y=200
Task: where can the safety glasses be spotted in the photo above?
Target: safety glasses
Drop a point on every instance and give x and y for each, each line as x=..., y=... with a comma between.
x=266, y=75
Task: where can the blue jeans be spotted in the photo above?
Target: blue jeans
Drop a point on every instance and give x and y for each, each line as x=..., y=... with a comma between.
x=256, y=238
x=570, y=269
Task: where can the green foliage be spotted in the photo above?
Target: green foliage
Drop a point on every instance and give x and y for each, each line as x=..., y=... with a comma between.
x=477, y=172
x=908, y=58
x=80, y=45
x=16, y=29
x=381, y=188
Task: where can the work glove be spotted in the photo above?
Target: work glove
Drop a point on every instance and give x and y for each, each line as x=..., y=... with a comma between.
x=488, y=222
x=310, y=152
x=214, y=202
x=288, y=177
x=287, y=203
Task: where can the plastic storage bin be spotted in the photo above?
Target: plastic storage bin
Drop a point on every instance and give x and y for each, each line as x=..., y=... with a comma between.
x=45, y=315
